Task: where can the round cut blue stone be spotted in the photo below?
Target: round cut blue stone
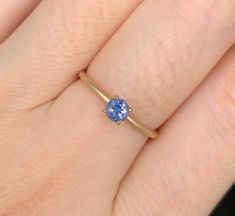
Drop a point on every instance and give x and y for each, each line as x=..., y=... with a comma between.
x=117, y=110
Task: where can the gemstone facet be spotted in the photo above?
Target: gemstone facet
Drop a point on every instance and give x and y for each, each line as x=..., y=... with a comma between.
x=117, y=110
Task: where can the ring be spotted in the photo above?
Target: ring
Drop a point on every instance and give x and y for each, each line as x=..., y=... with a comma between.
x=117, y=109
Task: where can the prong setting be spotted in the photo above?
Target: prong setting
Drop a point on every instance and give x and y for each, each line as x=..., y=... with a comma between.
x=117, y=109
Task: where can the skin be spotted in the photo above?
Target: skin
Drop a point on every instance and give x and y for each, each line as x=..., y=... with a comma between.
x=174, y=63
x=12, y=13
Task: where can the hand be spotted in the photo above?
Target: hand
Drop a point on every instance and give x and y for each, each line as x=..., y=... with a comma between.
x=60, y=155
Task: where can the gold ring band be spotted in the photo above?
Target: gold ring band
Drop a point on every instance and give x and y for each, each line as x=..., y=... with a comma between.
x=105, y=96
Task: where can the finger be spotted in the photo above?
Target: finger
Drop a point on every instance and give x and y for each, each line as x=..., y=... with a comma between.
x=62, y=37
x=154, y=78
x=12, y=14
x=188, y=169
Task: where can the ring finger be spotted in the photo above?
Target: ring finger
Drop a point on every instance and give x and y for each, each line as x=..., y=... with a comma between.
x=155, y=65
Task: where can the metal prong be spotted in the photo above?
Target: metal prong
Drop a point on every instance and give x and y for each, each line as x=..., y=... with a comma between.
x=118, y=122
x=130, y=109
x=104, y=110
x=117, y=97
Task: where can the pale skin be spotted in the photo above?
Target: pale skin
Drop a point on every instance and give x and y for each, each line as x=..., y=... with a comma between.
x=174, y=62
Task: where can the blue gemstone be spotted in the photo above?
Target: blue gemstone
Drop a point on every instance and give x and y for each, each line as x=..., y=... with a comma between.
x=117, y=110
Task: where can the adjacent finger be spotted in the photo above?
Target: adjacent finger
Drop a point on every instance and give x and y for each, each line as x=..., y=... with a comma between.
x=187, y=170
x=154, y=66
x=12, y=13
x=61, y=37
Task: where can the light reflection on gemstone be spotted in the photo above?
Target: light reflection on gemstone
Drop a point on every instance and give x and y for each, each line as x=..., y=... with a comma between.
x=117, y=110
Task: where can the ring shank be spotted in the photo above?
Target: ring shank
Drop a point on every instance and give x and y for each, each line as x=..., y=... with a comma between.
x=105, y=96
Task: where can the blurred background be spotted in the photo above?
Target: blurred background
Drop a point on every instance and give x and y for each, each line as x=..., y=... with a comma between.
x=227, y=206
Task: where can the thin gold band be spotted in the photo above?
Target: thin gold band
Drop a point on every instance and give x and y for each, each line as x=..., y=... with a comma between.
x=105, y=96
